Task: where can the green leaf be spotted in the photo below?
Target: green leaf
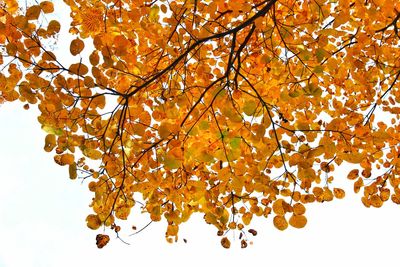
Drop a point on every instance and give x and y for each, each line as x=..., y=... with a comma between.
x=235, y=142
x=52, y=130
x=170, y=162
x=249, y=107
x=318, y=69
x=320, y=54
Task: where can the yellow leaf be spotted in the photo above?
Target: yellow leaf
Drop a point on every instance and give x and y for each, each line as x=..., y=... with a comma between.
x=93, y=221
x=64, y=159
x=122, y=213
x=92, y=153
x=328, y=194
x=72, y=171
x=246, y=218
x=52, y=130
x=12, y=6
x=153, y=16
x=50, y=142
x=172, y=230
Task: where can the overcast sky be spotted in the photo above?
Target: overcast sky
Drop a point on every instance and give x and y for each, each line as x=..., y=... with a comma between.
x=42, y=221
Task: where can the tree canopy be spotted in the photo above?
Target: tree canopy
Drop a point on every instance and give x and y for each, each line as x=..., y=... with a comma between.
x=232, y=109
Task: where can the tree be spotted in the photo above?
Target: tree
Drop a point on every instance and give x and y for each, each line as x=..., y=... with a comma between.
x=232, y=109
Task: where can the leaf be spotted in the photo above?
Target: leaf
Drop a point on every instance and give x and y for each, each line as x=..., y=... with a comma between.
x=235, y=142
x=320, y=54
x=249, y=107
x=72, y=170
x=92, y=153
x=50, y=142
x=64, y=159
x=328, y=194
x=33, y=12
x=53, y=27
x=122, y=213
x=12, y=6
x=102, y=240
x=99, y=101
x=52, y=130
x=385, y=194
x=339, y=193
x=225, y=243
x=253, y=232
x=164, y=130
x=78, y=69
x=47, y=7
x=376, y=201
x=278, y=208
x=171, y=162
x=280, y=222
x=298, y=221
x=358, y=184
x=153, y=15
x=76, y=46
x=94, y=58
x=353, y=174
x=246, y=218
x=318, y=69
x=299, y=209
x=93, y=221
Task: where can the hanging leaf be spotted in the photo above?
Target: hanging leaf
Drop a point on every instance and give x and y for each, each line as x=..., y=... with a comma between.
x=102, y=240
x=47, y=7
x=225, y=242
x=298, y=221
x=280, y=222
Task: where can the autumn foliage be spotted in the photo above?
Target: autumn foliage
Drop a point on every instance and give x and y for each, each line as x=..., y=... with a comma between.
x=232, y=109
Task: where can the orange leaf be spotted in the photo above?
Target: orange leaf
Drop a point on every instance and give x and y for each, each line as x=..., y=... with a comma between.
x=298, y=221
x=339, y=193
x=47, y=7
x=299, y=209
x=76, y=46
x=33, y=12
x=280, y=222
x=225, y=242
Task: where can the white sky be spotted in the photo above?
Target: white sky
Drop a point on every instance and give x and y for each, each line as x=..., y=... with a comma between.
x=42, y=221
